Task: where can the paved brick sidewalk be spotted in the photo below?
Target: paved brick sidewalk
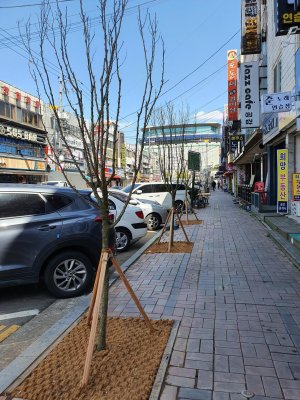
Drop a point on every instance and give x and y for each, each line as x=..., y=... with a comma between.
x=237, y=299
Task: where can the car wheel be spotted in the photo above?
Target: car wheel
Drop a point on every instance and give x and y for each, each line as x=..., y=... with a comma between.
x=179, y=205
x=68, y=274
x=122, y=239
x=153, y=222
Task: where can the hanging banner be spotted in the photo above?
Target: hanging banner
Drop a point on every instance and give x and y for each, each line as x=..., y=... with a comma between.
x=282, y=181
x=251, y=27
x=232, y=64
x=286, y=17
x=276, y=102
x=249, y=95
x=296, y=187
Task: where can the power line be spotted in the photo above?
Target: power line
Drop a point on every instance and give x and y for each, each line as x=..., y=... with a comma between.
x=36, y=4
x=175, y=98
x=77, y=25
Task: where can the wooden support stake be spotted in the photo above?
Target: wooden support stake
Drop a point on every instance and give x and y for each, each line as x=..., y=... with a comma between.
x=171, y=230
x=187, y=239
x=165, y=227
x=131, y=292
x=94, y=292
x=96, y=308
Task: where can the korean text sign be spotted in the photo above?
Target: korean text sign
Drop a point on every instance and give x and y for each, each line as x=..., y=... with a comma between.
x=249, y=95
x=285, y=16
x=276, y=102
x=296, y=187
x=232, y=64
x=282, y=181
x=251, y=36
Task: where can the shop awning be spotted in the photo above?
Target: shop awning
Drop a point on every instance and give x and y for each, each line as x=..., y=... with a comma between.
x=107, y=175
x=22, y=172
x=250, y=150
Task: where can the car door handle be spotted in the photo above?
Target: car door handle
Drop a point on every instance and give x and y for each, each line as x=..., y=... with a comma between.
x=46, y=227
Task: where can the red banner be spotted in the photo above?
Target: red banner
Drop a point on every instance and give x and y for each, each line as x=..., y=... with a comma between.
x=232, y=64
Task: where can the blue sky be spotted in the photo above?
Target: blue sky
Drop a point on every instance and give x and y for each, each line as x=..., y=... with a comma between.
x=193, y=30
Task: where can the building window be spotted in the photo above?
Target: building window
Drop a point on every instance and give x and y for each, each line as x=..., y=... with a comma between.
x=277, y=77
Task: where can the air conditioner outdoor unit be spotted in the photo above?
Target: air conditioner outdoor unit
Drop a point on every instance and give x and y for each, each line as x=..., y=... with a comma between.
x=295, y=208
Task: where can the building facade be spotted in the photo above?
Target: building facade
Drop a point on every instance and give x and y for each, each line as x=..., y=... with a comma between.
x=22, y=137
x=267, y=154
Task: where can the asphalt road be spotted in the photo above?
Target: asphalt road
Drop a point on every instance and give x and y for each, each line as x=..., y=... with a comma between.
x=21, y=303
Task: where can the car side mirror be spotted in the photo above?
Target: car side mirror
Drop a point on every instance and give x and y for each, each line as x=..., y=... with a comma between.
x=133, y=202
x=139, y=191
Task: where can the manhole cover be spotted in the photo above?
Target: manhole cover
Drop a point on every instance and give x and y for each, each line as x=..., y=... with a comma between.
x=247, y=394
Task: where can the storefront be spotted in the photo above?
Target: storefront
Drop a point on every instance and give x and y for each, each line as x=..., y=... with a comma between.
x=22, y=137
x=22, y=155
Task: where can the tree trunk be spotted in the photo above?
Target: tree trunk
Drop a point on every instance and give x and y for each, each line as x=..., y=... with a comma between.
x=101, y=344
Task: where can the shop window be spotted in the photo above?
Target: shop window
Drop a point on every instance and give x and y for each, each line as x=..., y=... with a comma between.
x=7, y=110
x=277, y=77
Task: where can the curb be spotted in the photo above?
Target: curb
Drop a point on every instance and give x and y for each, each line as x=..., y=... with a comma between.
x=283, y=244
x=156, y=388
x=32, y=353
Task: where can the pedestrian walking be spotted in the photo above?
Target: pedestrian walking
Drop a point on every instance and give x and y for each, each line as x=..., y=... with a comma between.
x=219, y=184
x=213, y=184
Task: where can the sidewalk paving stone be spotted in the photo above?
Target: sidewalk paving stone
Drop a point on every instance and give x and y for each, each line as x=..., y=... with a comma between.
x=237, y=297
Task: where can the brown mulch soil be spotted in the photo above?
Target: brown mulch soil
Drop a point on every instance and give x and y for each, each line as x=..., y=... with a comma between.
x=126, y=370
x=178, y=247
x=191, y=222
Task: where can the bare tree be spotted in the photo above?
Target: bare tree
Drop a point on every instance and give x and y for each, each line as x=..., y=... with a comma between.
x=104, y=87
x=171, y=130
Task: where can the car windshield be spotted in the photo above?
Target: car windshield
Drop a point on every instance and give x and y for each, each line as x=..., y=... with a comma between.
x=127, y=189
x=120, y=196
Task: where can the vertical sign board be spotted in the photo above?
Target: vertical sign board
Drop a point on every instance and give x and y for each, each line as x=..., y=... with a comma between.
x=286, y=17
x=251, y=29
x=296, y=187
x=282, y=181
x=249, y=95
x=232, y=64
x=194, y=161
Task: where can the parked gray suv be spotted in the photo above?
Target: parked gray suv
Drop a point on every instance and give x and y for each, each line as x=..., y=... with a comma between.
x=49, y=233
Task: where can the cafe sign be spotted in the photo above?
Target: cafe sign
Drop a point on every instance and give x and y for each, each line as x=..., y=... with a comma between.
x=251, y=27
x=249, y=95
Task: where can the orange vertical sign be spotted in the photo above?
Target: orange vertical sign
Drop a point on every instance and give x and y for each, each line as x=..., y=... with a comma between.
x=232, y=68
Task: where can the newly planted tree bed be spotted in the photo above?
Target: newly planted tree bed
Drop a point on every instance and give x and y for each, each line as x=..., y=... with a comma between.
x=125, y=370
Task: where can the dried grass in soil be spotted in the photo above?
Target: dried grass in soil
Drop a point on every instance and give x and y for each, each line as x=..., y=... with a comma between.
x=163, y=247
x=126, y=370
x=191, y=222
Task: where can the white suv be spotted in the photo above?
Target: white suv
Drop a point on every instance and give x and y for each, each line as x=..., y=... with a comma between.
x=158, y=191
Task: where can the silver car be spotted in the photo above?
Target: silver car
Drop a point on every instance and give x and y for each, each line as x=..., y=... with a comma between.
x=154, y=213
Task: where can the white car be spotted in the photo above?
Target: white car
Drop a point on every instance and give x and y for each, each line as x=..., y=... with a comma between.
x=131, y=226
x=158, y=191
x=56, y=183
x=154, y=213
